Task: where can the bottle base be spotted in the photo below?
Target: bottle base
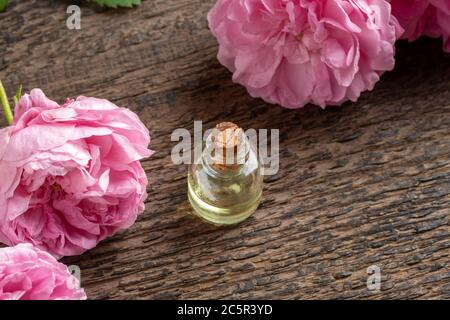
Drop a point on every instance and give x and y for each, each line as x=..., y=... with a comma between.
x=222, y=216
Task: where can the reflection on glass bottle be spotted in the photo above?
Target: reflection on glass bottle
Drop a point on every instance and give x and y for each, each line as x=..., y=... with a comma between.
x=225, y=184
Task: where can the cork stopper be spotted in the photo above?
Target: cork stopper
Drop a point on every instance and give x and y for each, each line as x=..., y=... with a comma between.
x=228, y=141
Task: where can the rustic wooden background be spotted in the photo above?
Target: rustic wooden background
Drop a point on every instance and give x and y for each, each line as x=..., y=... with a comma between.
x=364, y=184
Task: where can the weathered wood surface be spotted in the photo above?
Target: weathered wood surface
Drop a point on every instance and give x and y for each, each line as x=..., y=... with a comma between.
x=364, y=184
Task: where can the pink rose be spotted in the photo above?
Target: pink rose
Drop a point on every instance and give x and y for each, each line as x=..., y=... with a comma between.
x=70, y=175
x=424, y=17
x=294, y=52
x=28, y=273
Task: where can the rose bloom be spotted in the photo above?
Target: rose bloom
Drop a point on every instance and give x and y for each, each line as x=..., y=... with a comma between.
x=294, y=52
x=70, y=174
x=28, y=273
x=424, y=18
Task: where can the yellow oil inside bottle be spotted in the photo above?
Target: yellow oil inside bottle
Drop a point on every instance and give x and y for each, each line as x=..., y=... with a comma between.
x=226, y=195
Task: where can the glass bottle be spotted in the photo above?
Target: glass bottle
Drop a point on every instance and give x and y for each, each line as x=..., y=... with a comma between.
x=225, y=184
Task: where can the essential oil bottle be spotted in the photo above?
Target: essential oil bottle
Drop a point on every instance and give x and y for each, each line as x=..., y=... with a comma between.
x=225, y=184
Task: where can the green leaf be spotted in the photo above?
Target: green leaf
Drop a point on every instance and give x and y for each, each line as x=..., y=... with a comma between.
x=117, y=3
x=3, y=5
x=5, y=104
x=18, y=95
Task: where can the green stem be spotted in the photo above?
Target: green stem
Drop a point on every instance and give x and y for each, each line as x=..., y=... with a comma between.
x=5, y=104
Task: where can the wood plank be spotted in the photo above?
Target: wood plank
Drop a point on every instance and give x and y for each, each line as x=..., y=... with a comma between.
x=364, y=184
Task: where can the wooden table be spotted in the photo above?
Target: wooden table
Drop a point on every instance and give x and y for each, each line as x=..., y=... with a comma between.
x=364, y=184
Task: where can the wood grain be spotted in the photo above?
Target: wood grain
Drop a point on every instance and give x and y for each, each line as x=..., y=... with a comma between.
x=364, y=184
